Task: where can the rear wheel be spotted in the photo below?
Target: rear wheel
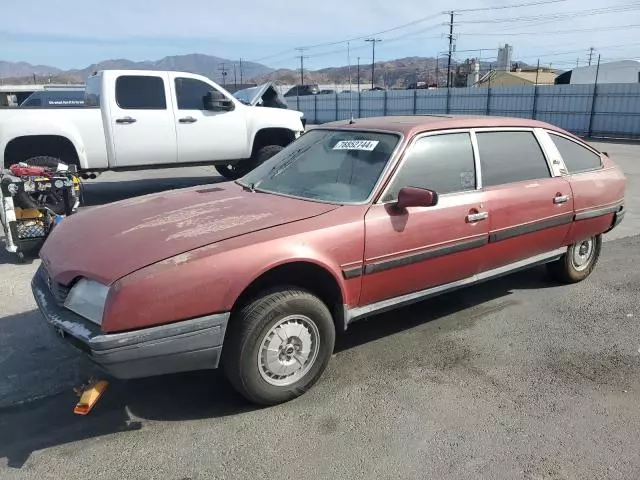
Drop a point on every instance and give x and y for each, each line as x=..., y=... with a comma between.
x=578, y=262
x=278, y=345
x=240, y=169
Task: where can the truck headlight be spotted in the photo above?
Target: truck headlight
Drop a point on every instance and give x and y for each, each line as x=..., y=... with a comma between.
x=87, y=298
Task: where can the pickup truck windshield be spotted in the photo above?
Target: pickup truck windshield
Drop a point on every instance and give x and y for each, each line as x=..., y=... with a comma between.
x=335, y=166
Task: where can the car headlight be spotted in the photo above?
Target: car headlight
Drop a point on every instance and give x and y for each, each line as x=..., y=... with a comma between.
x=87, y=298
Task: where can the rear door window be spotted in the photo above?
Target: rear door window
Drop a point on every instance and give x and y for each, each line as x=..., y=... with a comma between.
x=443, y=163
x=510, y=156
x=576, y=157
x=141, y=92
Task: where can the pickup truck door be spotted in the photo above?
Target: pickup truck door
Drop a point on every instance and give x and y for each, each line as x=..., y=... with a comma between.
x=203, y=135
x=141, y=121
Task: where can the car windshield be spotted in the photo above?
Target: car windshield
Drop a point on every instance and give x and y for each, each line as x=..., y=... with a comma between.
x=326, y=165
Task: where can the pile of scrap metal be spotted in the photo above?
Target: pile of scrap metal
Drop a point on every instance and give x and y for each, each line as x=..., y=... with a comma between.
x=34, y=197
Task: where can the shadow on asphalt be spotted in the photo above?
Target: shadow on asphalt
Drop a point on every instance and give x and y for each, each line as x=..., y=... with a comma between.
x=97, y=193
x=49, y=422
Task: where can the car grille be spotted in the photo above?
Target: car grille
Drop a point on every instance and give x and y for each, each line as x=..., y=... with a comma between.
x=59, y=291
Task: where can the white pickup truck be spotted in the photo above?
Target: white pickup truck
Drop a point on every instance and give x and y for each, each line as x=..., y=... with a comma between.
x=153, y=119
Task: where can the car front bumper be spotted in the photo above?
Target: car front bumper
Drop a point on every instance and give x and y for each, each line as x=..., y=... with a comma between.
x=177, y=347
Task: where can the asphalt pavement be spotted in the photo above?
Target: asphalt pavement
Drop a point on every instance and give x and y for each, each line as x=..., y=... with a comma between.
x=518, y=378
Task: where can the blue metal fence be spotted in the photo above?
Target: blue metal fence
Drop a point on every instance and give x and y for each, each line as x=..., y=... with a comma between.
x=607, y=110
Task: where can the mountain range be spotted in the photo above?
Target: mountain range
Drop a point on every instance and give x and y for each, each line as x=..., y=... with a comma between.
x=207, y=65
x=394, y=73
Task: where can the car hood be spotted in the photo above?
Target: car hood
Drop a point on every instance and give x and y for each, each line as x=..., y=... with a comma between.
x=252, y=95
x=108, y=242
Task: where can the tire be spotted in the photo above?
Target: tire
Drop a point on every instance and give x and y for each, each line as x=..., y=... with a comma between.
x=240, y=169
x=578, y=262
x=262, y=324
x=44, y=161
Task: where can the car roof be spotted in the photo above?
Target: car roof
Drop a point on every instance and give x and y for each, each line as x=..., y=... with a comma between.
x=410, y=125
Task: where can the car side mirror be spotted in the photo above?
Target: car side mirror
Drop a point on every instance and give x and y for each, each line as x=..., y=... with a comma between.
x=416, y=197
x=215, y=101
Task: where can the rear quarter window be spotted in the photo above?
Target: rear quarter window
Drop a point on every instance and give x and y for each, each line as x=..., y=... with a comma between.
x=576, y=157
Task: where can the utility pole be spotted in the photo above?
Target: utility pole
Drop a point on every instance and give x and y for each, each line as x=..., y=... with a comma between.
x=537, y=71
x=591, y=50
x=223, y=69
x=301, y=57
x=373, y=58
x=358, y=74
x=241, y=79
x=349, y=62
x=577, y=62
x=450, y=36
x=235, y=78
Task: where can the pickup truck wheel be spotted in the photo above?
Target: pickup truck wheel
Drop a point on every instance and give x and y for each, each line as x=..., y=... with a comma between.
x=578, y=262
x=278, y=345
x=240, y=169
x=44, y=161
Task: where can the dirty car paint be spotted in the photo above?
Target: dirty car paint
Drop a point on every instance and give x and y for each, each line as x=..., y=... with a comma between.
x=162, y=226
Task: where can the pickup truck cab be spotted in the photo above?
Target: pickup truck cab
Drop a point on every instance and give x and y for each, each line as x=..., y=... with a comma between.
x=151, y=119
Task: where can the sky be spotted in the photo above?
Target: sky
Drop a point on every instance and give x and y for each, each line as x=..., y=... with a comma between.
x=74, y=34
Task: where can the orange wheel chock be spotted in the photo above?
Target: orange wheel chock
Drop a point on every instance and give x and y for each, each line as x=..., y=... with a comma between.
x=89, y=396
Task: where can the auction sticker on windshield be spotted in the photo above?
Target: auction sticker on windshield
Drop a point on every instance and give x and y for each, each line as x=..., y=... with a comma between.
x=366, y=145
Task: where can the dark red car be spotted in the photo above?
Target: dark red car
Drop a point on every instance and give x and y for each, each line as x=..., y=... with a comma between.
x=352, y=219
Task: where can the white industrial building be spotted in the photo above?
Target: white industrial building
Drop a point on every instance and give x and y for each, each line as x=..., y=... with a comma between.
x=624, y=71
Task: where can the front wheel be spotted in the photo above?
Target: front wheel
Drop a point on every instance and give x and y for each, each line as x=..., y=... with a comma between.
x=278, y=345
x=578, y=262
x=241, y=168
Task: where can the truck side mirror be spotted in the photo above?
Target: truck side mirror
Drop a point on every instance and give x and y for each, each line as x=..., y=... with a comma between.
x=215, y=101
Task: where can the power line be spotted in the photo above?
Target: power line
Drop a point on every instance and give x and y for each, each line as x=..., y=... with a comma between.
x=501, y=7
x=362, y=37
x=386, y=40
x=556, y=32
x=556, y=16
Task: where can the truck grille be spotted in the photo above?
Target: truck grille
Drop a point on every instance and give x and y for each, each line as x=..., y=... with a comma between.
x=59, y=291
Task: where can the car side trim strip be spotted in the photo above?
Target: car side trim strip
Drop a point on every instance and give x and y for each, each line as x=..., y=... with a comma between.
x=584, y=215
x=405, y=260
x=352, y=272
x=511, y=232
x=353, y=314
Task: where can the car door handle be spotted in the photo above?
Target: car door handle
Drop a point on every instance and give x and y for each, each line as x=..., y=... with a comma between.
x=126, y=120
x=560, y=199
x=476, y=217
x=188, y=120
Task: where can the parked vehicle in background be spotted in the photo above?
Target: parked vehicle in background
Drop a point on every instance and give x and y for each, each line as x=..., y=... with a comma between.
x=327, y=91
x=150, y=119
x=54, y=99
x=352, y=219
x=301, y=90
